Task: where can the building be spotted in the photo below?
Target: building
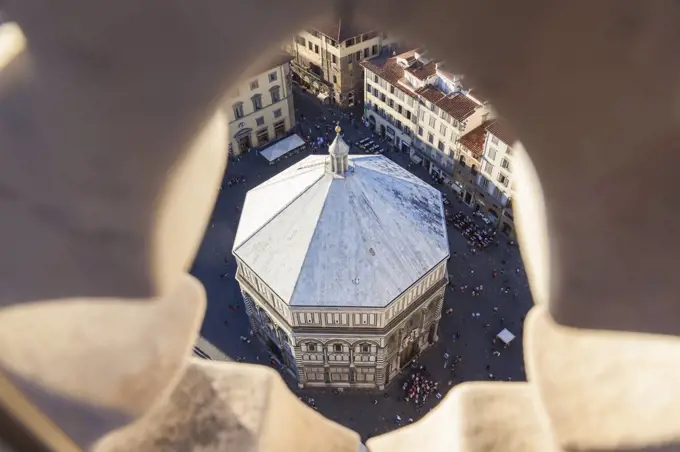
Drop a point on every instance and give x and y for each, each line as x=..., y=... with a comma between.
x=423, y=109
x=342, y=266
x=495, y=182
x=420, y=107
x=327, y=58
x=260, y=109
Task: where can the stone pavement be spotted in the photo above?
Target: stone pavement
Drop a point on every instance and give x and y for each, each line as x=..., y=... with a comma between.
x=225, y=321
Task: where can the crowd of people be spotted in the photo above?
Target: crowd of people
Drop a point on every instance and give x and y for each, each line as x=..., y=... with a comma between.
x=477, y=235
x=419, y=385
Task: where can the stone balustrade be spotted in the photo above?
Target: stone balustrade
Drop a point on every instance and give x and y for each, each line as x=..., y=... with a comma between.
x=111, y=158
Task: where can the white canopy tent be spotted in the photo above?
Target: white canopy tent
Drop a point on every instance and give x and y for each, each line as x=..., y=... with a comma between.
x=506, y=336
x=282, y=148
x=322, y=96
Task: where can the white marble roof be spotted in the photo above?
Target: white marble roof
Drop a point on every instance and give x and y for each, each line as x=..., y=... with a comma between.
x=318, y=239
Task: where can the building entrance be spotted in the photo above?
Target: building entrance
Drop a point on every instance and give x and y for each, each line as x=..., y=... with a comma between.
x=432, y=333
x=244, y=144
x=409, y=353
x=275, y=350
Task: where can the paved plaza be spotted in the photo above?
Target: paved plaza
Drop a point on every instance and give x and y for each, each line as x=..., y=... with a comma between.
x=466, y=332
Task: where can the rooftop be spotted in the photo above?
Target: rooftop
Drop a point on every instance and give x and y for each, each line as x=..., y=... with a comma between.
x=321, y=239
x=503, y=131
x=339, y=28
x=474, y=139
x=458, y=104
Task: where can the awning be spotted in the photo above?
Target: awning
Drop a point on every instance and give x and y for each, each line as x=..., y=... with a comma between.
x=455, y=187
x=281, y=148
x=322, y=96
x=506, y=336
x=416, y=159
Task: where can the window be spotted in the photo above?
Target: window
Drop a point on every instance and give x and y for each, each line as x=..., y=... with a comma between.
x=421, y=115
x=433, y=121
x=391, y=89
x=272, y=76
x=399, y=109
x=357, y=55
x=275, y=93
x=492, y=154
x=382, y=97
x=316, y=48
x=390, y=102
x=408, y=114
x=259, y=121
x=349, y=42
x=309, y=44
x=367, y=52
x=337, y=348
x=279, y=127
x=257, y=102
x=505, y=164
x=365, y=348
x=503, y=179
x=444, y=115
x=508, y=150
x=430, y=138
x=442, y=130
x=350, y=58
x=454, y=123
x=483, y=182
x=375, y=78
x=440, y=146
x=494, y=140
x=254, y=85
x=497, y=192
x=311, y=347
x=277, y=113
x=488, y=167
x=335, y=79
x=262, y=136
x=334, y=59
x=374, y=49
x=420, y=131
x=461, y=160
x=238, y=110
x=300, y=40
x=433, y=108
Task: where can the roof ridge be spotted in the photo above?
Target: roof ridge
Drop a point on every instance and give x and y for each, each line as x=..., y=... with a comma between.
x=278, y=212
x=418, y=181
x=316, y=228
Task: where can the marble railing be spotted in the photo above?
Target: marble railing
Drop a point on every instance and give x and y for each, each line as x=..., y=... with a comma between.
x=112, y=155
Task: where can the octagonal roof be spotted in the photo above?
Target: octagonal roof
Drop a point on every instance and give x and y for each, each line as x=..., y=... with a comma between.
x=358, y=240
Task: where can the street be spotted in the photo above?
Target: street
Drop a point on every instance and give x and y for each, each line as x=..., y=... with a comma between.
x=467, y=332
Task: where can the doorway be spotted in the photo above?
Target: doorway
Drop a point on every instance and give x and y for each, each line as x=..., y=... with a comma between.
x=432, y=333
x=409, y=353
x=244, y=144
x=468, y=198
x=275, y=350
x=382, y=130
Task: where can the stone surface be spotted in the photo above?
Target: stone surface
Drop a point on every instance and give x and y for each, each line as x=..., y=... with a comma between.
x=225, y=407
x=594, y=382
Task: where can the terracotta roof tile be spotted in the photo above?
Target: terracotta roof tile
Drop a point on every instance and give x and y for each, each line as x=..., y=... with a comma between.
x=474, y=139
x=430, y=93
x=390, y=70
x=422, y=71
x=503, y=131
x=459, y=106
